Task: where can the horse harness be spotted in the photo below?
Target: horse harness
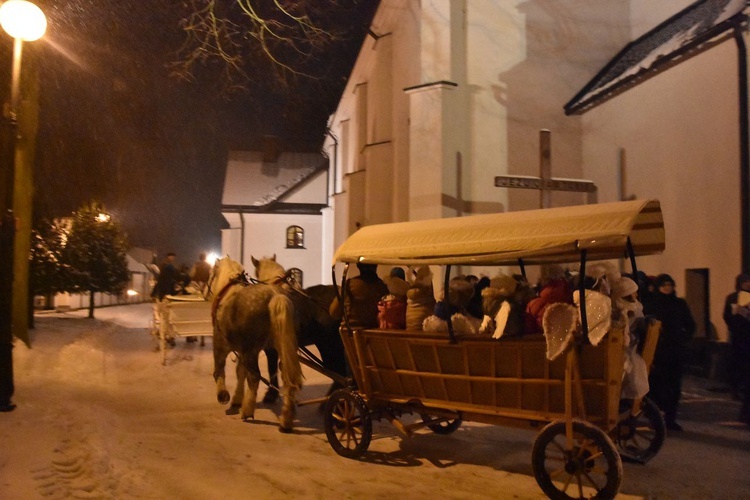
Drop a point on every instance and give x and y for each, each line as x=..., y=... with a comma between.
x=243, y=279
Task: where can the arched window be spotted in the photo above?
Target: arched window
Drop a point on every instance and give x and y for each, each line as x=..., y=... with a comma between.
x=295, y=237
x=296, y=274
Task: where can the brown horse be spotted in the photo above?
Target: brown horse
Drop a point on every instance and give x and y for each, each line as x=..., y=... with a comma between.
x=248, y=319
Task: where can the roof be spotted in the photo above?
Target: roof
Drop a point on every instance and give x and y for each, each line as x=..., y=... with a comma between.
x=536, y=236
x=686, y=34
x=251, y=182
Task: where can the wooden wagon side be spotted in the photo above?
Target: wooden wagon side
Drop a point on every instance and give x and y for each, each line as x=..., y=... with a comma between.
x=508, y=381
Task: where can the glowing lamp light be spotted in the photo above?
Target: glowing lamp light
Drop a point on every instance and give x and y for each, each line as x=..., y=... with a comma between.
x=23, y=20
x=132, y=293
x=102, y=218
x=211, y=258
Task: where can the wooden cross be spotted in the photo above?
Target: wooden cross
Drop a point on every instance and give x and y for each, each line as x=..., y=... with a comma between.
x=545, y=183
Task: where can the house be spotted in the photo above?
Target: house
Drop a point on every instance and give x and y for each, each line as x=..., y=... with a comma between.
x=276, y=204
x=447, y=95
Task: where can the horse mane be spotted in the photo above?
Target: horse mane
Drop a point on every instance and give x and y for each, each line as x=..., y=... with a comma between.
x=267, y=269
x=223, y=271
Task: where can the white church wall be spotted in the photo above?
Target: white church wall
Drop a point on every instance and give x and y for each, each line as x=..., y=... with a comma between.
x=680, y=134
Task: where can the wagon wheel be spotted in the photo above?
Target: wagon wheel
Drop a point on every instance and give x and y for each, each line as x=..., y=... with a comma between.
x=441, y=426
x=641, y=436
x=347, y=423
x=593, y=462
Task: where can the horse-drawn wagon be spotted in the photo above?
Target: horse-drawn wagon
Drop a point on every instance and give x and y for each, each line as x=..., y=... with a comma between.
x=575, y=398
x=181, y=316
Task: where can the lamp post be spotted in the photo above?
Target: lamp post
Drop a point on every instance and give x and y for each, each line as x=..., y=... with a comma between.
x=23, y=21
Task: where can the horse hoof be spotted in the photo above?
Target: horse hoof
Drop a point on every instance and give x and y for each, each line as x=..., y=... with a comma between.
x=223, y=397
x=272, y=395
x=246, y=418
x=285, y=430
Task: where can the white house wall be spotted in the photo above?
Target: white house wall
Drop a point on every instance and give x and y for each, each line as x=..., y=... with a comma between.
x=313, y=191
x=265, y=235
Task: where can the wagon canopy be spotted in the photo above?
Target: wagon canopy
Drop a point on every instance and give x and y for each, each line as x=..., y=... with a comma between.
x=536, y=236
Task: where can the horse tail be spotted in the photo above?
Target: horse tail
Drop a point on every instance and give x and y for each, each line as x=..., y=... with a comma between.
x=284, y=332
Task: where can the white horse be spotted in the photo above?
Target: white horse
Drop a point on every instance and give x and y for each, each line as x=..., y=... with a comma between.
x=249, y=318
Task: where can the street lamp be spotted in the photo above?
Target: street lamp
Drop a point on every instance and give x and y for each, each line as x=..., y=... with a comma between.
x=24, y=21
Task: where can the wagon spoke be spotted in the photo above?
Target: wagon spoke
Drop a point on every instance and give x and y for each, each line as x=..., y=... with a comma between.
x=348, y=437
x=558, y=446
x=557, y=472
x=567, y=483
x=580, y=486
x=591, y=480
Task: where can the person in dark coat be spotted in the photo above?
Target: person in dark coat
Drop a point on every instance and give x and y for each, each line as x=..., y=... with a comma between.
x=361, y=298
x=166, y=283
x=737, y=318
x=677, y=328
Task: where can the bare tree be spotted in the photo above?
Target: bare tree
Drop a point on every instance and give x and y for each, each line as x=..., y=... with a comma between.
x=247, y=39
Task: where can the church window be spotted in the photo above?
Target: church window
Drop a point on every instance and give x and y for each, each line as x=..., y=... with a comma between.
x=296, y=274
x=295, y=237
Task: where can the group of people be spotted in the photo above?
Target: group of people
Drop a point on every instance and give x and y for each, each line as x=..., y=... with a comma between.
x=659, y=300
x=678, y=327
x=173, y=281
x=737, y=318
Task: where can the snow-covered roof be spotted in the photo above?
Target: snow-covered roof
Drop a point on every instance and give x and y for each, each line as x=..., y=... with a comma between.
x=687, y=33
x=536, y=236
x=252, y=182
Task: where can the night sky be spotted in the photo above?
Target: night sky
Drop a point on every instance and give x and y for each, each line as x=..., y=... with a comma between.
x=117, y=127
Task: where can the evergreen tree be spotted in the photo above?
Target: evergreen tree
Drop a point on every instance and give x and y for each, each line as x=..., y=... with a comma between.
x=49, y=274
x=96, y=249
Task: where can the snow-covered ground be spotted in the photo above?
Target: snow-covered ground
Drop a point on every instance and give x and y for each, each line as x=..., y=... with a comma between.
x=99, y=417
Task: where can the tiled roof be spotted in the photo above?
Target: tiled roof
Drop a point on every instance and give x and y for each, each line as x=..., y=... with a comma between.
x=683, y=35
x=251, y=182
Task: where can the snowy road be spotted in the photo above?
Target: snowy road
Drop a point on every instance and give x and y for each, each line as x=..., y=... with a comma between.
x=99, y=417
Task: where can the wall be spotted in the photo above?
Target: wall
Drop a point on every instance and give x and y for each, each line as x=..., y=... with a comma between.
x=265, y=235
x=680, y=132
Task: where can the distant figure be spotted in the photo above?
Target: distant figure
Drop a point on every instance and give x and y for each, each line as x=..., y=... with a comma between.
x=677, y=328
x=200, y=271
x=737, y=318
x=166, y=284
x=361, y=298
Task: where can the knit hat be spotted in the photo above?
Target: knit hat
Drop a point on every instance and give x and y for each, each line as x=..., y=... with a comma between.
x=662, y=279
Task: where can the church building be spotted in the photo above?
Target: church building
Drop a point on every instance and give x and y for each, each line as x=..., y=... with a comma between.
x=629, y=98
